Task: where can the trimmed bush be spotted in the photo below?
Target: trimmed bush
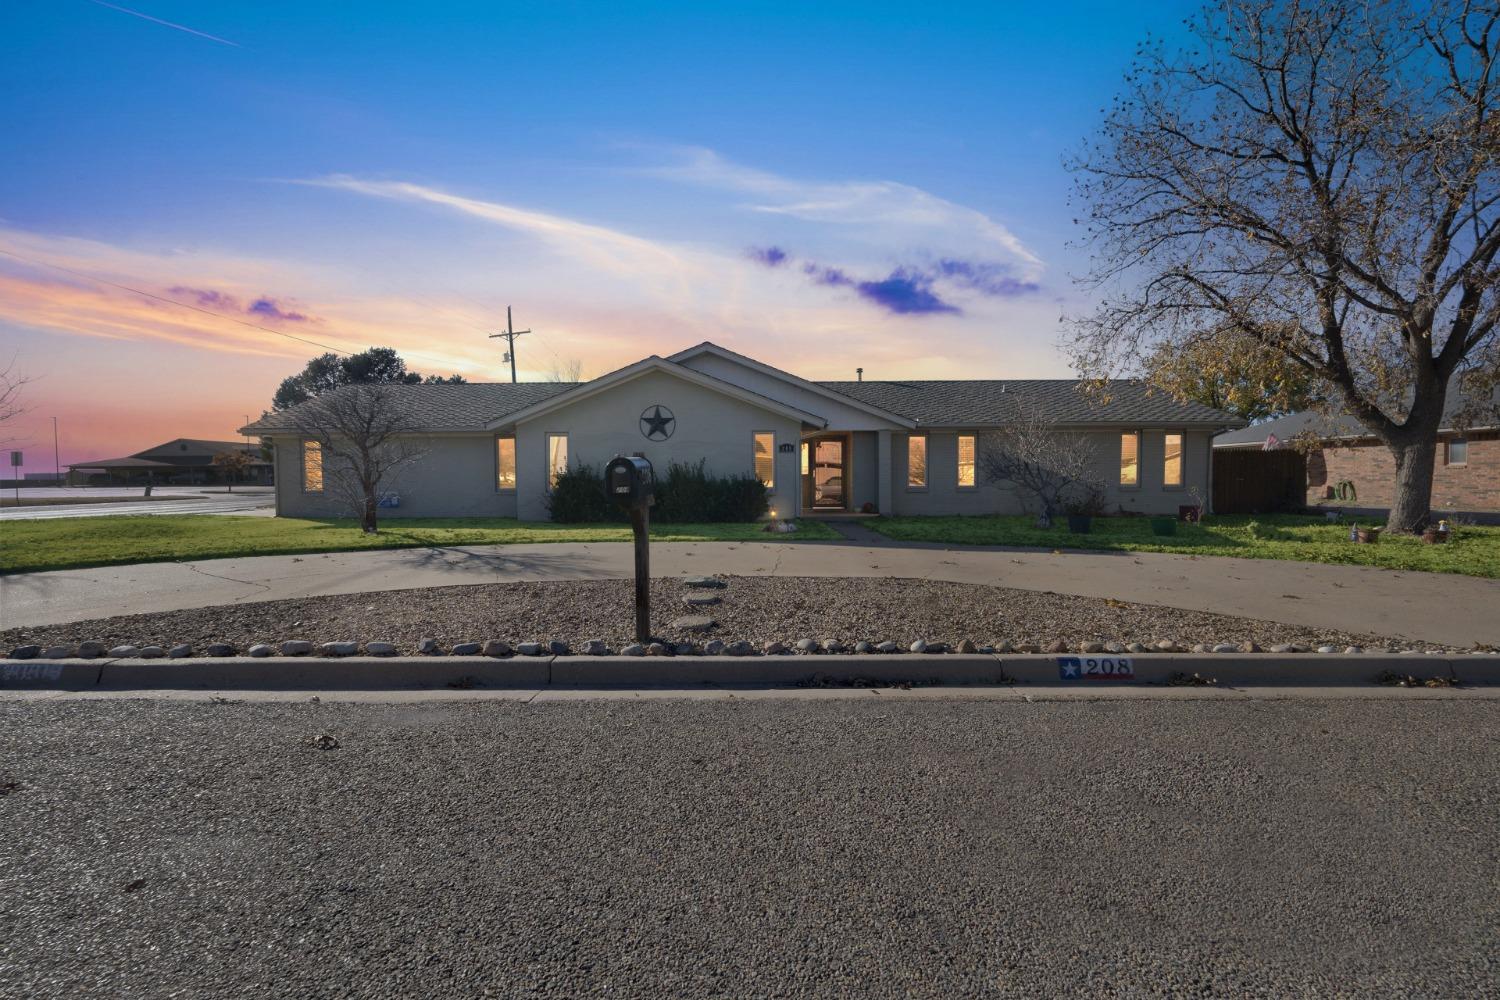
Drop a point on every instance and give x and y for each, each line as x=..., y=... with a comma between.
x=685, y=494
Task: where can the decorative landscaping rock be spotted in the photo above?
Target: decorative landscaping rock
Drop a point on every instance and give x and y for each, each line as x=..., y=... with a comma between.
x=682, y=649
x=714, y=647
x=1328, y=649
x=887, y=647
x=558, y=648
x=347, y=648
x=774, y=648
x=701, y=600
x=531, y=649
x=58, y=653
x=219, y=649
x=1135, y=647
x=180, y=650
x=27, y=652
x=1167, y=646
x=741, y=648
x=495, y=647
x=152, y=652
x=380, y=648
x=864, y=646
x=595, y=647
x=1353, y=649
x=261, y=649
x=1249, y=646
x=658, y=649
x=1113, y=647
x=807, y=646
x=694, y=623
x=1028, y=647
x=90, y=650
x=705, y=583
x=1091, y=647
x=125, y=652
x=428, y=647
x=831, y=646
x=1056, y=646
x=1005, y=646
x=634, y=649
x=296, y=647
x=1284, y=647
x=1199, y=647
x=920, y=646
x=967, y=646
x=1226, y=647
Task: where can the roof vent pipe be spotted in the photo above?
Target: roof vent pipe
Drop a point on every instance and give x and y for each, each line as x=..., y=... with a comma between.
x=859, y=374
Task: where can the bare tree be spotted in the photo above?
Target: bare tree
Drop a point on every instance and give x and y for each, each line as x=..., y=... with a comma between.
x=233, y=464
x=365, y=436
x=11, y=384
x=1322, y=176
x=1052, y=466
x=565, y=370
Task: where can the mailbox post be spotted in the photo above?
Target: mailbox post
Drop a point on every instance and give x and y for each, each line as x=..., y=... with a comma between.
x=631, y=482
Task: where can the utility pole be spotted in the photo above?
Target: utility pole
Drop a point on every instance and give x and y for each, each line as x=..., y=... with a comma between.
x=510, y=335
x=56, y=456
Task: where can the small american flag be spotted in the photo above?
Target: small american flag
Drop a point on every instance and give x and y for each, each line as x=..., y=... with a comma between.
x=1272, y=443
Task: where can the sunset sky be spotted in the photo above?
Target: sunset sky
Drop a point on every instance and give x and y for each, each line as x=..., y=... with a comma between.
x=187, y=186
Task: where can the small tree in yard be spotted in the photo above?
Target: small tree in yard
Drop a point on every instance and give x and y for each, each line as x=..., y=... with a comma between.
x=1321, y=177
x=365, y=438
x=1054, y=467
x=233, y=465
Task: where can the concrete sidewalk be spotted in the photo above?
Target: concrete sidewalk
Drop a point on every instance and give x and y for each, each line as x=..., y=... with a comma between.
x=1429, y=607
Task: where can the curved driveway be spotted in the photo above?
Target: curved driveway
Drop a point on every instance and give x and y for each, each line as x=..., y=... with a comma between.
x=1404, y=605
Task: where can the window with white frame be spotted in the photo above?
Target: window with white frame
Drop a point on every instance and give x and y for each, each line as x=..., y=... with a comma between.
x=557, y=458
x=967, y=460
x=505, y=463
x=1458, y=451
x=312, y=467
x=916, y=462
x=1130, y=458
x=1171, y=465
x=765, y=458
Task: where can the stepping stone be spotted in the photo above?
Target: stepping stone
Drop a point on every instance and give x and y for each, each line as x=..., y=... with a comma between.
x=701, y=600
x=705, y=583
x=694, y=623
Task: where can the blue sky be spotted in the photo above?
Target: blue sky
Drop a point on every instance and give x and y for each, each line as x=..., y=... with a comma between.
x=816, y=185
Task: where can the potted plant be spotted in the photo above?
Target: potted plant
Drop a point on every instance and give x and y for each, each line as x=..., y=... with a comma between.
x=1166, y=525
x=1085, y=504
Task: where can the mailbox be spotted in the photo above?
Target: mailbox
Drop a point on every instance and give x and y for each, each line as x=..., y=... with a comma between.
x=630, y=481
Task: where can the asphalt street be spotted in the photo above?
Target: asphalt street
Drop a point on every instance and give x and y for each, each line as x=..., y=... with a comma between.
x=212, y=503
x=750, y=847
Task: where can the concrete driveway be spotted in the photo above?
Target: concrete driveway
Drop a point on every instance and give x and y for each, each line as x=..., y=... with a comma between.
x=1402, y=605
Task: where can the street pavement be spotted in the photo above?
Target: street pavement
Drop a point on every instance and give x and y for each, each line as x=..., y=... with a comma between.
x=1405, y=606
x=195, y=501
x=763, y=846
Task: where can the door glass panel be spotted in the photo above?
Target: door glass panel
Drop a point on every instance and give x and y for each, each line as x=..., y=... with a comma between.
x=828, y=473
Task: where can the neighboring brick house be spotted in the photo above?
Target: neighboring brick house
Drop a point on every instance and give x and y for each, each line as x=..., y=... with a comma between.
x=1353, y=470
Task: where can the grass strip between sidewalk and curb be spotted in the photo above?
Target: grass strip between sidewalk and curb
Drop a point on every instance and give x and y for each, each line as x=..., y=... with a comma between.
x=79, y=543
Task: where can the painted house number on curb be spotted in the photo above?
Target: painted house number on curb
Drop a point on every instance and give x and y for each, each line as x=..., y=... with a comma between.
x=31, y=672
x=1095, y=668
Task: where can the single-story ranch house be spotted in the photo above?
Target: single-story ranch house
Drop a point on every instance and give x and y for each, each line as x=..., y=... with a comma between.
x=900, y=447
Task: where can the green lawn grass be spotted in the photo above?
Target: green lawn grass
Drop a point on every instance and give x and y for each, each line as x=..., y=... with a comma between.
x=1474, y=551
x=74, y=542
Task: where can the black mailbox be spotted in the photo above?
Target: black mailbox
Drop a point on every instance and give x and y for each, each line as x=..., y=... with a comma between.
x=630, y=481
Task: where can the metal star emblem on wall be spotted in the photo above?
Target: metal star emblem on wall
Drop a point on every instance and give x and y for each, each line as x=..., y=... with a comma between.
x=657, y=423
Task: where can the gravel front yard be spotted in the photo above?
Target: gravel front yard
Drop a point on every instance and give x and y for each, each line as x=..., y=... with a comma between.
x=757, y=609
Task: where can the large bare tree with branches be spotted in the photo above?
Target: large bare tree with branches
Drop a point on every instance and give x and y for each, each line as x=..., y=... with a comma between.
x=1324, y=178
x=12, y=382
x=1049, y=465
x=365, y=438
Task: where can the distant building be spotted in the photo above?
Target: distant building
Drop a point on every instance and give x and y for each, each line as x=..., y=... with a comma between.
x=180, y=462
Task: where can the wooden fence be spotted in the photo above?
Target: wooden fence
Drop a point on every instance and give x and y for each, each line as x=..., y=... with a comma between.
x=1259, y=482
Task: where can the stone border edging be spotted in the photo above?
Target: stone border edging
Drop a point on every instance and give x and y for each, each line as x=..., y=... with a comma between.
x=417, y=672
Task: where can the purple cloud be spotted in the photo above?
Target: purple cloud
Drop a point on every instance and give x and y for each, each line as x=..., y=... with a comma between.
x=268, y=309
x=264, y=307
x=207, y=298
x=769, y=256
x=904, y=292
x=991, y=279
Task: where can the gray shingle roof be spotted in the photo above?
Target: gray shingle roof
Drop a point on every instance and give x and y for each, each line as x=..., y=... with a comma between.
x=446, y=407
x=988, y=402
x=1342, y=425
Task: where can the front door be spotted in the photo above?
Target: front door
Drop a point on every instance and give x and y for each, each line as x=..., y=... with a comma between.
x=825, y=483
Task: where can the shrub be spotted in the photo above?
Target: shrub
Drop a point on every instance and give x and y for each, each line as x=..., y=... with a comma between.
x=685, y=494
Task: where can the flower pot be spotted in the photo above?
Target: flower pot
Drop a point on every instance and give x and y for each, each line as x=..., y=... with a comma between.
x=1163, y=526
x=1367, y=536
x=1432, y=536
x=1190, y=512
x=1080, y=524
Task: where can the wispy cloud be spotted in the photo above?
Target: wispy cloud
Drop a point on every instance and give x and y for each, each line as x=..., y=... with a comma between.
x=264, y=308
x=910, y=288
x=917, y=215
x=167, y=24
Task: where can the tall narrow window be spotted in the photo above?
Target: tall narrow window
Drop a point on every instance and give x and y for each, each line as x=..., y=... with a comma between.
x=806, y=457
x=505, y=463
x=557, y=457
x=1458, y=451
x=1171, y=469
x=966, y=460
x=1130, y=458
x=765, y=458
x=312, y=467
x=916, y=462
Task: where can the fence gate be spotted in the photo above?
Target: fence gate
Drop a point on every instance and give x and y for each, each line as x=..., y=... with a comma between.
x=1259, y=482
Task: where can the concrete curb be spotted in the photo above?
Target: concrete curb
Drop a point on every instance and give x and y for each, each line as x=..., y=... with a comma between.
x=525, y=672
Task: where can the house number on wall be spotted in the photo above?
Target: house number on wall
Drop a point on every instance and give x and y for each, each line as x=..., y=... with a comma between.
x=657, y=422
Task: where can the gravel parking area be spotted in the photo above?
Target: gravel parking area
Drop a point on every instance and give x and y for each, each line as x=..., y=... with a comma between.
x=749, y=849
x=757, y=609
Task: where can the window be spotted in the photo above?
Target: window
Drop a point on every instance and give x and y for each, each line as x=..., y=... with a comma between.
x=557, y=458
x=1171, y=469
x=312, y=467
x=765, y=458
x=916, y=462
x=806, y=457
x=1458, y=451
x=505, y=463
x=1130, y=457
x=966, y=461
